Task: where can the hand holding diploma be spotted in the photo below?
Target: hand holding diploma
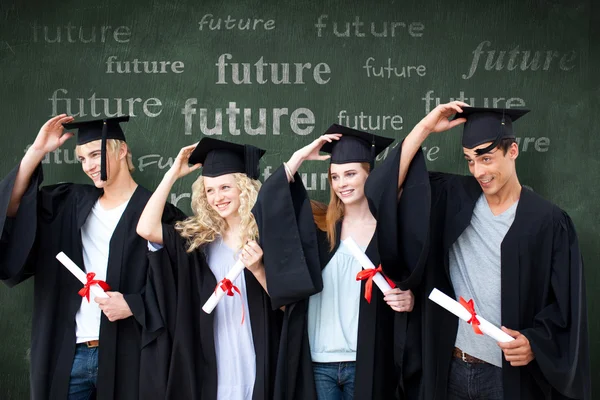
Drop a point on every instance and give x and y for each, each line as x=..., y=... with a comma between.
x=250, y=257
x=225, y=286
x=517, y=352
x=466, y=311
x=96, y=286
x=370, y=273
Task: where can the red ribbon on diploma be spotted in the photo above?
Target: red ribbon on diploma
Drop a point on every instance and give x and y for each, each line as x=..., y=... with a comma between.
x=229, y=287
x=85, y=290
x=368, y=274
x=470, y=306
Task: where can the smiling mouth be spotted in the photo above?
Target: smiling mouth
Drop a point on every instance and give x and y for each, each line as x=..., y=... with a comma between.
x=485, y=181
x=222, y=206
x=95, y=175
x=345, y=193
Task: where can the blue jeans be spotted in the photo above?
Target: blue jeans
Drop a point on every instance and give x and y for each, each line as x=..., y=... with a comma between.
x=82, y=384
x=474, y=381
x=334, y=381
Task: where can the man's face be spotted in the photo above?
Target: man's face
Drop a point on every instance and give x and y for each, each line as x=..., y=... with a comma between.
x=492, y=169
x=89, y=155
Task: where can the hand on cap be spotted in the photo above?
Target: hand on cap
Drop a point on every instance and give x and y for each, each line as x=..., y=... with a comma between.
x=51, y=135
x=181, y=167
x=311, y=152
x=437, y=119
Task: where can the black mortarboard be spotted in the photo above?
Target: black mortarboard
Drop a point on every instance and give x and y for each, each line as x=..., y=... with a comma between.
x=354, y=145
x=488, y=125
x=219, y=157
x=99, y=129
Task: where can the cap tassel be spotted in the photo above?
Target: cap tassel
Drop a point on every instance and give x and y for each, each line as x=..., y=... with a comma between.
x=103, y=152
x=251, y=157
x=373, y=153
x=496, y=142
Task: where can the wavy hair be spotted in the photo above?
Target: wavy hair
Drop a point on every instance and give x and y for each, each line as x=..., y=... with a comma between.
x=327, y=216
x=206, y=224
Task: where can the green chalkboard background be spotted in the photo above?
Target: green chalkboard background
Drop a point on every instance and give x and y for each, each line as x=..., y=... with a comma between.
x=55, y=55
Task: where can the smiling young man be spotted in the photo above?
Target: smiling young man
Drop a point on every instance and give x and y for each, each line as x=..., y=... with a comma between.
x=80, y=348
x=487, y=238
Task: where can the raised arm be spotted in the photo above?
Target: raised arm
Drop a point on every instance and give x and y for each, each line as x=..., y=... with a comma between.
x=150, y=226
x=50, y=137
x=309, y=152
x=435, y=121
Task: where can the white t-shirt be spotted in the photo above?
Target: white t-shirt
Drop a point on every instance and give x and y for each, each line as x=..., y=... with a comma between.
x=95, y=237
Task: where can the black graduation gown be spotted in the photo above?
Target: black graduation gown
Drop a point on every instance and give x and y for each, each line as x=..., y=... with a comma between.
x=179, y=359
x=543, y=288
x=295, y=254
x=49, y=221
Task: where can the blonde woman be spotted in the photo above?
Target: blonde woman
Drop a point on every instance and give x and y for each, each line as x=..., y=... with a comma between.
x=228, y=354
x=344, y=333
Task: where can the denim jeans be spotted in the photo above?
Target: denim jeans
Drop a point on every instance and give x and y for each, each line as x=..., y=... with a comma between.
x=334, y=381
x=474, y=381
x=82, y=384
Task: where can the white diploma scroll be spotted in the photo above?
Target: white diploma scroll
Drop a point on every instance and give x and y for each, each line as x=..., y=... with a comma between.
x=461, y=312
x=79, y=274
x=364, y=261
x=214, y=299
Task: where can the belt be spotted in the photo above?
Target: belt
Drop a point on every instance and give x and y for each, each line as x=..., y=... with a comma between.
x=91, y=343
x=458, y=353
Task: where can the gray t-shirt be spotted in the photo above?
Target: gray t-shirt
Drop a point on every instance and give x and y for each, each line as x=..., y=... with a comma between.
x=475, y=266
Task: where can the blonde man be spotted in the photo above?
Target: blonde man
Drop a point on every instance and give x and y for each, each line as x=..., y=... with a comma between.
x=81, y=347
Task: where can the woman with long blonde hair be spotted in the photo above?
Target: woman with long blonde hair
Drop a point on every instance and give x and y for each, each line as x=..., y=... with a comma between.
x=229, y=353
x=342, y=329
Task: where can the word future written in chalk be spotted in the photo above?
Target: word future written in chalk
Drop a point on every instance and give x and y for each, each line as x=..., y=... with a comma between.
x=242, y=24
x=142, y=67
x=301, y=121
x=78, y=34
x=97, y=106
x=262, y=72
x=396, y=71
x=520, y=60
x=374, y=29
x=496, y=102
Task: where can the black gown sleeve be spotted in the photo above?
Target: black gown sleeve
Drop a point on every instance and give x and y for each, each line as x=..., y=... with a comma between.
x=18, y=245
x=402, y=222
x=289, y=240
x=137, y=301
x=559, y=338
x=165, y=370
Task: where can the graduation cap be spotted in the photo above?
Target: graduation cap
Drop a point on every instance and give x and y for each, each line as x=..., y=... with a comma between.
x=488, y=125
x=99, y=129
x=354, y=145
x=219, y=157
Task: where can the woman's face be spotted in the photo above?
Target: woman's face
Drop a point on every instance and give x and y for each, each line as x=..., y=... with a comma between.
x=223, y=195
x=348, y=181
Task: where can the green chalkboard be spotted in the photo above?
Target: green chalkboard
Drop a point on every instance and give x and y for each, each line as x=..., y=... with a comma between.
x=277, y=74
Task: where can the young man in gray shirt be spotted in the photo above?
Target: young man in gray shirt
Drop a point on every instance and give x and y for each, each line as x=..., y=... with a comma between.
x=493, y=241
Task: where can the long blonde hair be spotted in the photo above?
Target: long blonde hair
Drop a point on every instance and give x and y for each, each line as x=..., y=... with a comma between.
x=327, y=216
x=206, y=225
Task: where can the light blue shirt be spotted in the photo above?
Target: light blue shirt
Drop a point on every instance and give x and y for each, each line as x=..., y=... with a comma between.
x=333, y=313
